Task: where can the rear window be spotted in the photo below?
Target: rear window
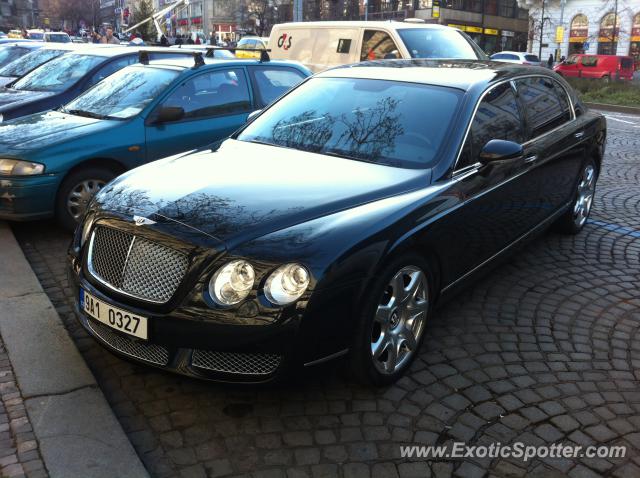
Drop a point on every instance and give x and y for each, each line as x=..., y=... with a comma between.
x=377, y=121
x=532, y=58
x=274, y=82
x=58, y=74
x=436, y=43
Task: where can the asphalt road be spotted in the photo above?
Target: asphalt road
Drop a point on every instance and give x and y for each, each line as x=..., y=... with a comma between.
x=545, y=349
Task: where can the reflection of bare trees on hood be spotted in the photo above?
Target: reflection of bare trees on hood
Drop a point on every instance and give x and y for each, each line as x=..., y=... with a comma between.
x=367, y=134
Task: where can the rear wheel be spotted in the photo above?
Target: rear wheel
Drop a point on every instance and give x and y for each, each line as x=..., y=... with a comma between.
x=394, y=316
x=572, y=221
x=76, y=192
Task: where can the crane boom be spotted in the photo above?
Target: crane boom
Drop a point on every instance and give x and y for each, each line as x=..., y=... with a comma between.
x=157, y=16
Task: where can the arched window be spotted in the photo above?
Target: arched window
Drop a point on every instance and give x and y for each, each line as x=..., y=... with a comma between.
x=578, y=33
x=608, y=34
x=634, y=48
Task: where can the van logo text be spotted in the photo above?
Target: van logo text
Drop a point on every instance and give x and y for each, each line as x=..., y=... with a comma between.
x=284, y=41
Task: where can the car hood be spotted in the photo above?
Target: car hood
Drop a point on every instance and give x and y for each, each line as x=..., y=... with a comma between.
x=44, y=129
x=246, y=190
x=10, y=98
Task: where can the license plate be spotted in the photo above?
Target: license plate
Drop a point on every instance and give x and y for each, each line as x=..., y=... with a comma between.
x=113, y=316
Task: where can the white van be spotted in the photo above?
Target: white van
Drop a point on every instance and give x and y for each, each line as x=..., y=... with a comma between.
x=321, y=45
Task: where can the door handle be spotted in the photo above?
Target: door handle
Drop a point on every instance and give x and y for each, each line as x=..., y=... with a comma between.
x=531, y=159
x=579, y=135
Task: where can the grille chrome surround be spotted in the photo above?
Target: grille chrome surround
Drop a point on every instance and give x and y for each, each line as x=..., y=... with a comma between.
x=135, y=266
x=151, y=353
x=237, y=363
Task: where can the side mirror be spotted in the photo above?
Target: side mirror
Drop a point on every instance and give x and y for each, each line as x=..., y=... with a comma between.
x=168, y=114
x=499, y=150
x=253, y=115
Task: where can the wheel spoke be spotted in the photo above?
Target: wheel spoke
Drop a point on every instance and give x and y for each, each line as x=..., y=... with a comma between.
x=399, y=292
x=392, y=357
x=409, y=339
x=383, y=314
x=378, y=347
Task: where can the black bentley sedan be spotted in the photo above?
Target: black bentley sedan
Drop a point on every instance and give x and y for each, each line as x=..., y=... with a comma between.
x=333, y=222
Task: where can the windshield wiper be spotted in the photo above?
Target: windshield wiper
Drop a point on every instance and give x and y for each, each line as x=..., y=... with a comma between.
x=87, y=114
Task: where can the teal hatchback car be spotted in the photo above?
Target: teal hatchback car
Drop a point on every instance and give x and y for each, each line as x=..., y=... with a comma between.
x=52, y=163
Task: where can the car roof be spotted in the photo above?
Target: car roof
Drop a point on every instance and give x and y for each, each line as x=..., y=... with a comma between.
x=372, y=24
x=34, y=45
x=513, y=52
x=188, y=62
x=115, y=50
x=461, y=74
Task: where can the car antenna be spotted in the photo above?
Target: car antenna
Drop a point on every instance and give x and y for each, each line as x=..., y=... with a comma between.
x=198, y=60
x=143, y=57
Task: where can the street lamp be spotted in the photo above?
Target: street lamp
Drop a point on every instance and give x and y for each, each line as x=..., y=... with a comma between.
x=541, y=31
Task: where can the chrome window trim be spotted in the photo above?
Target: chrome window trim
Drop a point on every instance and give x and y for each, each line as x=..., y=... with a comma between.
x=512, y=81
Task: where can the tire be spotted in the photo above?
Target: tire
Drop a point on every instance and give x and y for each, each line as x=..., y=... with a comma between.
x=76, y=191
x=387, y=319
x=574, y=219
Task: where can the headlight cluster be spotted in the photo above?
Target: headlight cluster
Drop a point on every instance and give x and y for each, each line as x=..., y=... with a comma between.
x=233, y=282
x=16, y=167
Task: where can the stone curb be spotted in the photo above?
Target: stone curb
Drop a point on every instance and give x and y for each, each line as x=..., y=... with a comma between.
x=78, y=433
x=615, y=108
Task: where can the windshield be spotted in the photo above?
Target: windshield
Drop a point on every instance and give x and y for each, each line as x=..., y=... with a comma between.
x=388, y=122
x=58, y=74
x=11, y=53
x=28, y=62
x=124, y=94
x=437, y=43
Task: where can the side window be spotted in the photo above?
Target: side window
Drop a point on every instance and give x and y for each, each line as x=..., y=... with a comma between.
x=497, y=117
x=589, y=61
x=111, y=68
x=564, y=101
x=541, y=103
x=274, y=82
x=216, y=93
x=377, y=45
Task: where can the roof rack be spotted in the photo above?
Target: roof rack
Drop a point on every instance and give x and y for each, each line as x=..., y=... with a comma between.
x=198, y=60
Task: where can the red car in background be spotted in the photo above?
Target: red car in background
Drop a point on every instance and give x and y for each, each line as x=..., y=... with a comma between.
x=603, y=67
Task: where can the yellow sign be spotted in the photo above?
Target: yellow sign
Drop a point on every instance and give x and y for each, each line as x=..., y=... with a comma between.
x=46, y=21
x=435, y=11
x=459, y=27
x=559, y=34
x=474, y=29
x=490, y=31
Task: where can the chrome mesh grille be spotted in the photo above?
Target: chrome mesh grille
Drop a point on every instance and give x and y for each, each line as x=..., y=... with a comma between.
x=134, y=265
x=241, y=363
x=148, y=352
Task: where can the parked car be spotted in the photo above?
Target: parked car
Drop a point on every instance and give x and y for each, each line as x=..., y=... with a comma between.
x=321, y=45
x=57, y=37
x=13, y=51
x=335, y=220
x=139, y=114
x=35, y=34
x=602, y=67
x=251, y=43
x=60, y=80
x=522, y=58
x=3, y=35
x=39, y=55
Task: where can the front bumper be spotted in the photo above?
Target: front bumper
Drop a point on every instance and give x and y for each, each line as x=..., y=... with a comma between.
x=28, y=198
x=223, y=353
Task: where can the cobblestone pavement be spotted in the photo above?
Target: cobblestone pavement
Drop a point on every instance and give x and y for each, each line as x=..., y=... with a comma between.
x=19, y=451
x=545, y=349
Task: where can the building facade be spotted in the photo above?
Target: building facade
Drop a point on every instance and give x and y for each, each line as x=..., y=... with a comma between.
x=605, y=27
x=495, y=25
x=18, y=13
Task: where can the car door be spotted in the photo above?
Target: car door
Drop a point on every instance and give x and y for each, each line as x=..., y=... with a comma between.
x=271, y=82
x=589, y=67
x=555, y=142
x=215, y=103
x=570, y=67
x=495, y=208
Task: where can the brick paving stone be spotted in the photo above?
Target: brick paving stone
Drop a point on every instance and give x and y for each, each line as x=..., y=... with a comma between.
x=544, y=348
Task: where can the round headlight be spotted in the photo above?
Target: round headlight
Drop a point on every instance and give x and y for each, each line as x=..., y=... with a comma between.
x=232, y=283
x=287, y=284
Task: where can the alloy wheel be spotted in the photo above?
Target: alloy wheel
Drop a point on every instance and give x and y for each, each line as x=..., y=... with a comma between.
x=584, y=199
x=399, y=320
x=80, y=195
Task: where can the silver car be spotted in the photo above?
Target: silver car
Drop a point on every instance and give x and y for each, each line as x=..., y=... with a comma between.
x=522, y=58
